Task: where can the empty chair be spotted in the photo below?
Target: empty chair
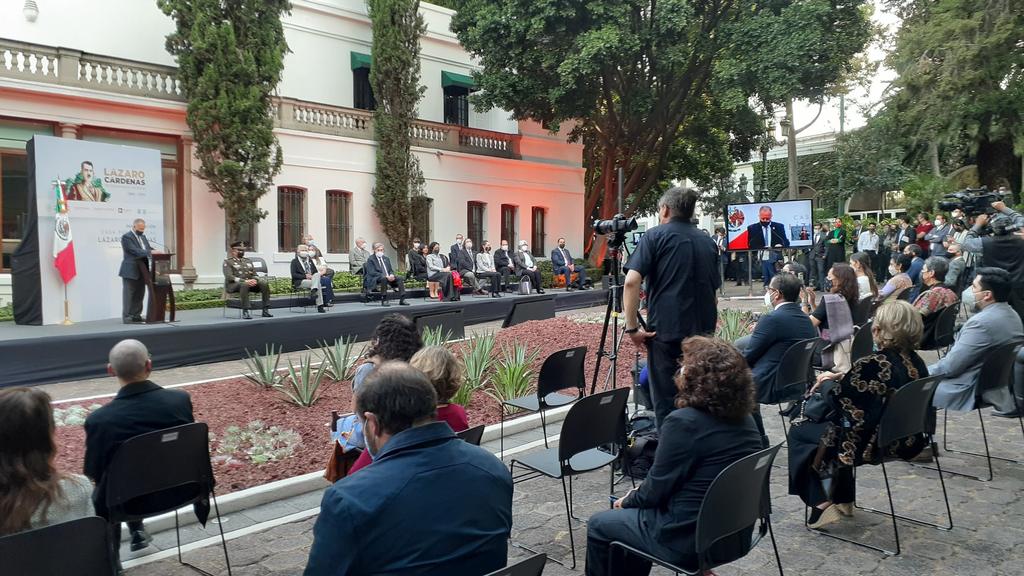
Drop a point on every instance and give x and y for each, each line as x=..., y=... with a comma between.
x=161, y=471
x=532, y=566
x=563, y=369
x=80, y=547
x=794, y=375
x=472, y=435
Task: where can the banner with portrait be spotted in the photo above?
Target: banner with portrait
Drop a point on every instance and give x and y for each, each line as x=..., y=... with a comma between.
x=107, y=186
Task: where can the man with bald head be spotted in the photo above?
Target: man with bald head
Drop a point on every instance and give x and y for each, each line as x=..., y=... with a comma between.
x=139, y=407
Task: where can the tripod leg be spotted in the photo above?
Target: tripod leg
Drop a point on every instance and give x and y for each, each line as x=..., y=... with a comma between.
x=604, y=338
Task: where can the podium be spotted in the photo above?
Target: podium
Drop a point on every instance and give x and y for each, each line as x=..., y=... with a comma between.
x=158, y=287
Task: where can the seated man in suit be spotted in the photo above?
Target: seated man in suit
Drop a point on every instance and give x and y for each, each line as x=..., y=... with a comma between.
x=307, y=275
x=358, y=256
x=995, y=324
x=562, y=264
x=765, y=235
x=318, y=257
x=380, y=273
x=241, y=277
x=527, y=266
x=503, y=262
x=139, y=407
x=463, y=261
x=775, y=333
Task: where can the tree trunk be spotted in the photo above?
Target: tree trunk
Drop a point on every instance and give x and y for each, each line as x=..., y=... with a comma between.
x=933, y=158
x=793, y=189
x=997, y=165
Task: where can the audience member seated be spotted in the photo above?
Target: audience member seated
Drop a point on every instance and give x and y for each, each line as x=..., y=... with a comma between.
x=934, y=294
x=140, y=406
x=240, y=276
x=34, y=493
x=527, y=266
x=916, y=264
x=446, y=373
x=503, y=262
x=829, y=450
x=710, y=429
x=485, y=269
x=562, y=265
x=417, y=261
x=775, y=333
x=899, y=280
x=797, y=269
x=995, y=324
x=957, y=268
x=439, y=271
x=318, y=256
x=306, y=275
x=844, y=283
x=380, y=274
x=358, y=257
x=866, y=285
x=430, y=504
x=464, y=261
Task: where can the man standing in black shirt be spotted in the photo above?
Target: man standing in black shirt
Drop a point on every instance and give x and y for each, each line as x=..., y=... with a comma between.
x=678, y=263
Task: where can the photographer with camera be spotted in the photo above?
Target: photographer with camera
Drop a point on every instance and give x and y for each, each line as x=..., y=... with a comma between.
x=992, y=238
x=678, y=263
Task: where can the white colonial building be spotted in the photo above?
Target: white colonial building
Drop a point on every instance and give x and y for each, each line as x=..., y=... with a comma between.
x=99, y=71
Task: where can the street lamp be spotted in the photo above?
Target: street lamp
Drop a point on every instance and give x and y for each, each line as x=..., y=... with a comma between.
x=766, y=145
x=31, y=10
x=786, y=126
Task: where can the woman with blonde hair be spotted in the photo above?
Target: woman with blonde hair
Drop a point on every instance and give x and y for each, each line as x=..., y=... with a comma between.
x=825, y=453
x=446, y=373
x=33, y=493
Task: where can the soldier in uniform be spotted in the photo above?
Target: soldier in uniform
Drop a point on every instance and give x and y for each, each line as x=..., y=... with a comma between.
x=240, y=276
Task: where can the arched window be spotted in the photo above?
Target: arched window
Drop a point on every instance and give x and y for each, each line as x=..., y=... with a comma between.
x=339, y=221
x=291, y=217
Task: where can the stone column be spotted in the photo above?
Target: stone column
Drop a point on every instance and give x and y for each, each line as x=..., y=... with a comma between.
x=68, y=130
x=188, y=269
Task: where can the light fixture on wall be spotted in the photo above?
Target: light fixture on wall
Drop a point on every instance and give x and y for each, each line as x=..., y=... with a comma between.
x=31, y=10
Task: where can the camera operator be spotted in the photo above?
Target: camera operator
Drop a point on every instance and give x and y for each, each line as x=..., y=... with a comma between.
x=678, y=263
x=1001, y=248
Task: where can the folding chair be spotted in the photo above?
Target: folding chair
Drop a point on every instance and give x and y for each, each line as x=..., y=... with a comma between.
x=563, y=369
x=864, y=310
x=863, y=342
x=80, y=547
x=592, y=424
x=162, y=471
x=906, y=414
x=941, y=337
x=794, y=374
x=994, y=379
x=532, y=566
x=737, y=499
x=472, y=435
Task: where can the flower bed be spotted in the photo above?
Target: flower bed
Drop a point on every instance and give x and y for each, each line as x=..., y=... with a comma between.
x=230, y=406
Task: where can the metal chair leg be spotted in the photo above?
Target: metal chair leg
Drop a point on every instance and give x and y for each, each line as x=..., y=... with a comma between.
x=220, y=526
x=771, y=533
x=543, y=426
x=568, y=519
x=501, y=434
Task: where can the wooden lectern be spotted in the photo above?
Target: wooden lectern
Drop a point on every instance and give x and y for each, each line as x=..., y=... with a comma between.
x=159, y=288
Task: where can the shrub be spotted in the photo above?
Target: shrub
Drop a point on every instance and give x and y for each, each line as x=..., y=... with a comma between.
x=733, y=324
x=263, y=368
x=436, y=336
x=258, y=443
x=338, y=358
x=302, y=386
x=73, y=415
x=513, y=375
x=7, y=312
x=477, y=356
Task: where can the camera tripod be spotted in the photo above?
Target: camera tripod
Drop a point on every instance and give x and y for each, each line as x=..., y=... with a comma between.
x=613, y=310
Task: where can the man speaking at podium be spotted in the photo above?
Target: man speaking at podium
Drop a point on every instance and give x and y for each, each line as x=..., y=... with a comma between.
x=764, y=235
x=135, y=247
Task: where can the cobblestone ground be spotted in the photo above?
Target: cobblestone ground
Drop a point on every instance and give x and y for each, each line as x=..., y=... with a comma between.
x=985, y=541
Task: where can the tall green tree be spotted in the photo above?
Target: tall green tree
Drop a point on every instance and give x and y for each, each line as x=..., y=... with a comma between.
x=394, y=75
x=230, y=57
x=631, y=74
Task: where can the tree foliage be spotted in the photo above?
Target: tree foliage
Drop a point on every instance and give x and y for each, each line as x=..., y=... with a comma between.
x=635, y=75
x=394, y=75
x=230, y=56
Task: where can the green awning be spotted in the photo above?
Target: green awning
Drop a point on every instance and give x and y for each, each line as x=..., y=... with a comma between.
x=460, y=80
x=360, y=60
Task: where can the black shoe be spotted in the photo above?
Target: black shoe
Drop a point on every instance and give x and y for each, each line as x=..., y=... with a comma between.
x=140, y=540
x=137, y=319
x=321, y=309
x=495, y=295
x=245, y=315
x=266, y=313
x=540, y=290
x=402, y=302
x=384, y=303
x=1007, y=414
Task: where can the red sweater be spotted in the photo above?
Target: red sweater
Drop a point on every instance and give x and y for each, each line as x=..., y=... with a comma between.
x=453, y=414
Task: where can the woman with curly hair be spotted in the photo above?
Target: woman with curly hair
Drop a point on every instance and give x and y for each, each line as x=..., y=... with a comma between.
x=33, y=493
x=710, y=429
x=822, y=454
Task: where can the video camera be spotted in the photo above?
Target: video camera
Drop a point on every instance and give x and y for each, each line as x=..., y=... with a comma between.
x=972, y=201
x=615, y=227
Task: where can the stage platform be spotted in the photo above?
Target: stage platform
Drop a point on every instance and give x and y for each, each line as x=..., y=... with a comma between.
x=31, y=355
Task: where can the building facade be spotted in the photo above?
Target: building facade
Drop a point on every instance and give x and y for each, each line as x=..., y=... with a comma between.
x=99, y=71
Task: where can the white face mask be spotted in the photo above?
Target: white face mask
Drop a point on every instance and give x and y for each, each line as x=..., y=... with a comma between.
x=379, y=253
x=303, y=254
x=311, y=242
x=768, y=300
x=526, y=248
x=893, y=270
x=469, y=245
x=504, y=247
x=940, y=223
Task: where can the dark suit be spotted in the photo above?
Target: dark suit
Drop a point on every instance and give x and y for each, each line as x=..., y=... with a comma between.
x=774, y=334
x=299, y=270
x=519, y=261
x=756, y=241
x=138, y=408
x=135, y=250
x=660, y=517
x=560, y=263
x=417, y=266
x=376, y=275
x=503, y=264
x=819, y=256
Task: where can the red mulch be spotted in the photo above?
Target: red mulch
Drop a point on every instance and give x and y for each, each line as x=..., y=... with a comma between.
x=236, y=401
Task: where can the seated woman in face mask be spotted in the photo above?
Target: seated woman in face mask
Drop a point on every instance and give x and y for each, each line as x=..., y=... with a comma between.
x=439, y=270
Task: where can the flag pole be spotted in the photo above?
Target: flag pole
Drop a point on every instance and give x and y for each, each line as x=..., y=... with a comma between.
x=67, y=315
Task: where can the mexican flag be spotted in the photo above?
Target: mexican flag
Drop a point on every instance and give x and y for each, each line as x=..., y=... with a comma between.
x=63, y=247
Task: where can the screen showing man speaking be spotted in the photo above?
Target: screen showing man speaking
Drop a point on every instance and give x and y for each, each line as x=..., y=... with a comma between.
x=786, y=224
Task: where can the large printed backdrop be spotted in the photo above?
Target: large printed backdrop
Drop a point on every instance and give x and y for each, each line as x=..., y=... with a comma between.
x=123, y=183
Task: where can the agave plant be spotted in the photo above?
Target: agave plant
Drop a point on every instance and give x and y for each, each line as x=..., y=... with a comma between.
x=338, y=358
x=732, y=324
x=302, y=386
x=478, y=357
x=436, y=336
x=263, y=368
x=513, y=375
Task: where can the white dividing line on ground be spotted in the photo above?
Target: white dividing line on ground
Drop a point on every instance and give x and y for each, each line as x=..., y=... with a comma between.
x=215, y=540
x=529, y=446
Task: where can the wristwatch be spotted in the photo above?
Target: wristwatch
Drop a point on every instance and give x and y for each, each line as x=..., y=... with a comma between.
x=631, y=330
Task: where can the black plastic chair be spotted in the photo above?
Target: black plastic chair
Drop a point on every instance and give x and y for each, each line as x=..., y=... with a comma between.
x=593, y=424
x=161, y=471
x=906, y=414
x=863, y=342
x=738, y=498
x=940, y=337
x=563, y=369
x=532, y=566
x=995, y=381
x=794, y=374
x=80, y=547
x=863, y=311
x=472, y=435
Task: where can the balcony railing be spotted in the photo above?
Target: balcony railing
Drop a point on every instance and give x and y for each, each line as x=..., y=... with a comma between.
x=60, y=66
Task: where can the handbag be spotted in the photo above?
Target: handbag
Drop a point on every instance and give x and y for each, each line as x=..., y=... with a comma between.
x=456, y=280
x=524, y=286
x=347, y=444
x=817, y=407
